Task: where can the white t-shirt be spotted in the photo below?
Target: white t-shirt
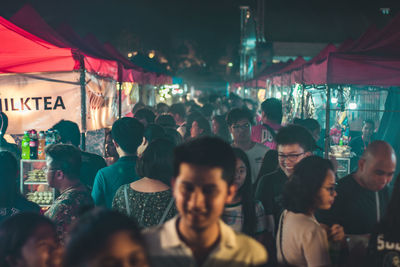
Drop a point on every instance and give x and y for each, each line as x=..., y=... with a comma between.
x=304, y=241
x=256, y=155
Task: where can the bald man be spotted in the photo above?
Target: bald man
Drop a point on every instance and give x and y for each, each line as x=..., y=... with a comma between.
x=362, y=196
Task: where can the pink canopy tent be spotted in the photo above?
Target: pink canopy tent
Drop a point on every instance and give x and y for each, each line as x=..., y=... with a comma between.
x=260, y=80
x=345, y=46
x=28, y=19
x=282, y=77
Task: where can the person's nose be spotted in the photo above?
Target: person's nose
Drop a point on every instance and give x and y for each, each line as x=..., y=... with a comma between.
x=196, y=200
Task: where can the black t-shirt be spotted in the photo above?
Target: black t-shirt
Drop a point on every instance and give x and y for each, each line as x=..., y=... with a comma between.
x=270, y=192
x=383, y=252
x=355, y=207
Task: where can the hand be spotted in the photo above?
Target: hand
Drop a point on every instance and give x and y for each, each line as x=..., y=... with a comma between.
x=336, y=233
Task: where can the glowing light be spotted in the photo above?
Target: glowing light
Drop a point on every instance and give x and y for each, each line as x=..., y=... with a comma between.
x=278, y=95
x=130, y=54
x=152, y=54
x=352, y=105
x=334, y=100
x=230, y=64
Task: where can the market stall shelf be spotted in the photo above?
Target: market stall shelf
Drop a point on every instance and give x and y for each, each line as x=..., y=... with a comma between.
x=33, y=183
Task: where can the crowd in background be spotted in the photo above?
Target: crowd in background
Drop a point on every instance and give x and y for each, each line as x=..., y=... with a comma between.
x=210, y=183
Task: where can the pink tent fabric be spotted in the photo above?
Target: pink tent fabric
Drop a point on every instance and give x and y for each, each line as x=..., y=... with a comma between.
x=260, y=80
x=282, y=77
x=28, y=18
x=31, y=21
x=22, y=52
x=361, y=69
x=365, y=39
x=346, y=45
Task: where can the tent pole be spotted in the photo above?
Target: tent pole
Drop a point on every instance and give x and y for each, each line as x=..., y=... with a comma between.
x=302, y=101
x=119, y=100
x=83, y=104
x=327, y=120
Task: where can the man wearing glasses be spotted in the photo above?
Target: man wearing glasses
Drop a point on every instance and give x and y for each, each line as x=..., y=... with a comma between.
x=239, y=121
x=63, y=164
x=294, y=143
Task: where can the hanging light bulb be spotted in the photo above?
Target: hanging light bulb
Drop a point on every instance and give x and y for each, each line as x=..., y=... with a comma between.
x=352, y=104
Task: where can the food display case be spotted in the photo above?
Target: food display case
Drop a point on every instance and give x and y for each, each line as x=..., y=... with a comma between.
x=343, y=156
x=33, y=183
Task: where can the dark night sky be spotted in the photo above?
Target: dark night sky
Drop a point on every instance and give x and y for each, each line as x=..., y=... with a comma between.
x=210, y=26
x=151, y=24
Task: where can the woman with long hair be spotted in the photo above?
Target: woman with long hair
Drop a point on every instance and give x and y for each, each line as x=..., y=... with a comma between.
x=149, y=200
x=301, y=240
x=11, y=201
x=245, y=214
x=384, y=243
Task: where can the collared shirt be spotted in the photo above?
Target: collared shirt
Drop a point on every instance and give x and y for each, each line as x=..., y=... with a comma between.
x=110, y=178
x=165, y=248
x=67, y=207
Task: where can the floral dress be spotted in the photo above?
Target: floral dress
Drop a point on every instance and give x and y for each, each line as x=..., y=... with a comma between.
x=147, y=208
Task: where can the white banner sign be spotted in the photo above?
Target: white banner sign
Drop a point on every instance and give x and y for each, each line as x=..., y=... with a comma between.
x=38, y=101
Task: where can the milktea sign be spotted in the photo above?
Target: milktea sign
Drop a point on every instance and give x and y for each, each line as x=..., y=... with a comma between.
x=39, y=101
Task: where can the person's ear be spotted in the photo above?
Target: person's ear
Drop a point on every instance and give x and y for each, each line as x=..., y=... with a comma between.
x=232, y=189
x=361, y=164
x=308, y=153
x=59, y=175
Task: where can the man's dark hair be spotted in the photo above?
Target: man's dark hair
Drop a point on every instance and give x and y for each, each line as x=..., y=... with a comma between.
x=69, y=132
x=146, y=114
x=161, y=108
x=66, y=158
x=165, y=120
x=128, y=134
x=156, y=161
x=91, y=233
x=237, y=114
x=203, y=124
x=301, y=191
x=208, y=152
x=369, y=121
x=272, y=107
x=178, y=108
x=296, y=134
x=153, y=131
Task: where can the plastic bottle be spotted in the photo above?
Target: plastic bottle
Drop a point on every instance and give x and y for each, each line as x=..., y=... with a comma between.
x=49, y=137
x=33, y=145
x=25, y=146
x=41, y=145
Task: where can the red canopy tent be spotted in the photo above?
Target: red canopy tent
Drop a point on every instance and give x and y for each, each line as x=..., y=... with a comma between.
x=282, y=77
x=40, y=83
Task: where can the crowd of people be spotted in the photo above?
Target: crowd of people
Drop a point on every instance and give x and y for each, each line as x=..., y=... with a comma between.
x=217, y=184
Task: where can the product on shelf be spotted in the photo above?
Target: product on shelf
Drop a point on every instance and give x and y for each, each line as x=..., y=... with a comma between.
x=36, y=175
x=25, y=146
x=41, y=198
x=340, y=151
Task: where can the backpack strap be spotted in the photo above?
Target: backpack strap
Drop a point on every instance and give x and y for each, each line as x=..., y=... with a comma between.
x=128, y=209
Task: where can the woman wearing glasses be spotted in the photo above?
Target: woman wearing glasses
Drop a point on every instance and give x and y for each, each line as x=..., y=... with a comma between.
x=301, y=240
